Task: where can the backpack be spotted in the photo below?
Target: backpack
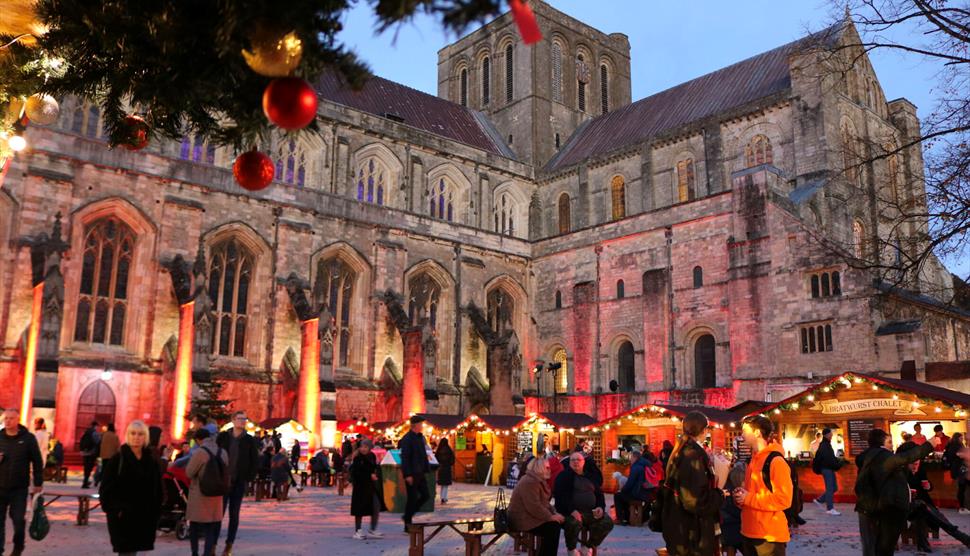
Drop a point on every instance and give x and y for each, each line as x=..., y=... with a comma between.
x=214, y=480
x=766, y=468
x=87, y=441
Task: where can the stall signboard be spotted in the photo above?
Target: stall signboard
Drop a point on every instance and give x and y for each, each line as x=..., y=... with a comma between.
x=461, y=443
x=859, y=434
x=742, y=450
x=842, y=407
x=654, y=422
x=524, y=442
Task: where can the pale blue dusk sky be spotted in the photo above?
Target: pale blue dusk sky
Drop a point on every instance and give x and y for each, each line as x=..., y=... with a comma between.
x=671, y=42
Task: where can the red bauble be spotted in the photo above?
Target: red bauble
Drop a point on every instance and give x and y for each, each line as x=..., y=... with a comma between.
x=136, y=133
x=253, y=170
x=290, y=103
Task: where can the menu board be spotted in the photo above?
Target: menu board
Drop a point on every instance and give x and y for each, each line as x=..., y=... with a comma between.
x=524, y=442
x=859, y=434
x=742, y=450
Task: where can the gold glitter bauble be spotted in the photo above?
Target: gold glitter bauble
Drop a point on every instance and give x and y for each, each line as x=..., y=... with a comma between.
x=42, y=109
x=273, y=54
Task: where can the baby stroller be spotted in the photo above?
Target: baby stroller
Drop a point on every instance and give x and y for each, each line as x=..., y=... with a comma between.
x=175, y=488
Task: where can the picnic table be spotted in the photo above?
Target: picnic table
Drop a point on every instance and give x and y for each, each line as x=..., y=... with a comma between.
x=472, y=531
x=53, y=493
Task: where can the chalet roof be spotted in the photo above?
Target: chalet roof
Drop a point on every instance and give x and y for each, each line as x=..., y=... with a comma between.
x=721, y=91
x=502, y=422
x=402, y=104
x=568, y=420
x=441, y=420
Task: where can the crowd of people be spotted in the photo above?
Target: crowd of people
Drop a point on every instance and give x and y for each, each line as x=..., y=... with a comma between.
x=700, y=506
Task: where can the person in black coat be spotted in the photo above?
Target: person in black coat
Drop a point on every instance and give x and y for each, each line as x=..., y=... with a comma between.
x=692, y=501
x=21, y=459
x=243, y=450
x=367, y=498
x=131, y=493
x=826, y=464
x=446, y=462
x=580, y=500
x=731, y=513
x=414, y=467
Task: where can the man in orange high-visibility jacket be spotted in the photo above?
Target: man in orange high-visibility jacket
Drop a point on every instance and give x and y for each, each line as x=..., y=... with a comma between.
x=763, y=500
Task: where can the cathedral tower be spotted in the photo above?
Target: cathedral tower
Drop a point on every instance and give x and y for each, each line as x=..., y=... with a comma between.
x=537, y=95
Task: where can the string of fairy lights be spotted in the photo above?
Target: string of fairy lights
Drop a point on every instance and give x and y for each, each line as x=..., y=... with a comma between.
x=647, y=411
x=848, y=381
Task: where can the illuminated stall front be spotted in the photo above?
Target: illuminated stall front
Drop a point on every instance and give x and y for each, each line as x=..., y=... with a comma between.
x=650, y=425
x=484, y=445
x=291, y=432
x=851, y=405
x=557, y=431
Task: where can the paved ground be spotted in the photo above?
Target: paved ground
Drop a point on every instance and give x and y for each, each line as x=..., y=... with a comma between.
x=317, y=521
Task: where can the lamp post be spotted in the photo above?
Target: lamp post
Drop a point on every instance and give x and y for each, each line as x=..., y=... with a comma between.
x=553, y=368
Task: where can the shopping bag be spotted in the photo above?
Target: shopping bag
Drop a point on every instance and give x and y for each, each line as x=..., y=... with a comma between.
x=39, y=524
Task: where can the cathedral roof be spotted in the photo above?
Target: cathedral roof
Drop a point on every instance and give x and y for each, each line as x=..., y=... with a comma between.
x=721, y=91
x=414, y=108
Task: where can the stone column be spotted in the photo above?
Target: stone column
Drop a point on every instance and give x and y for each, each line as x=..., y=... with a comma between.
x=414, y=401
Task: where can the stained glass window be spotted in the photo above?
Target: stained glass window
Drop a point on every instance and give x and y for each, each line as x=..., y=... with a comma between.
x=103, y=296
x=685, y=180
x=441, y=200
x=230, y=276
x=758, y=152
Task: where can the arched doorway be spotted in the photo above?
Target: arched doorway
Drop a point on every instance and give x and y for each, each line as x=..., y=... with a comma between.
x=705, y=368
x=97, y=403
x=626, y=375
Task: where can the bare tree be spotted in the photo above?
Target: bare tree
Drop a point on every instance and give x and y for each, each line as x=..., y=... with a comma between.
x=914, y=175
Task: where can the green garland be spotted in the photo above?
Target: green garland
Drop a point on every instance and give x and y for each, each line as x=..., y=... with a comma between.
x=179, y=64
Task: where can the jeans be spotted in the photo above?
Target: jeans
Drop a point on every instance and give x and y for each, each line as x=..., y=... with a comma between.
x=867, y=532
x=444, y=492
x=417, y=493
x=598, y=529
x=761, y=547
x=14, y=502
x=209, y=531
x=548, y=532
x=233, y=501
x=831, y=485
x=89, y=463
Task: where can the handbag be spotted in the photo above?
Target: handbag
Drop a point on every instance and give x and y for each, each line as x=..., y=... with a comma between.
x=501, y=512
x=39, y=524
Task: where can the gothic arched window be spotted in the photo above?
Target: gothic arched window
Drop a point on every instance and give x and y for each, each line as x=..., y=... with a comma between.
x=698, y=277
x=562, y=375
x=105, y=269
x=504, y=215
x=892, y=169
x=441, y=200
x=94, y=118
x=230, y=277
x=582, y=78
x=564, y=224
x=196, y=150
x=604, y=88
x=620, y=289
x=509, y=73
x=685, y=180
x=463, y=87
x=291, y=164
x=858, y=239
x=556, y=72
x=758, y=152
x=371, y=181
x=626, y=367
x=558, y=299
x=705, y=368
x=334, y=288
x=486, y=81
x=618, y=189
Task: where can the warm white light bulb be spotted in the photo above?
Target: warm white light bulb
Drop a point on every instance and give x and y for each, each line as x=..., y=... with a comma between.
x=17, y=143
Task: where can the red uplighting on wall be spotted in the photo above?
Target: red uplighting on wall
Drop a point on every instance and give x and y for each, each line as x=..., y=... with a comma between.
x=308, y=399
x=183, y=370
x=30, y=364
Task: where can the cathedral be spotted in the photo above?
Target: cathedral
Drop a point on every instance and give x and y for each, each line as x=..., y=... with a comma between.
x=530, y=239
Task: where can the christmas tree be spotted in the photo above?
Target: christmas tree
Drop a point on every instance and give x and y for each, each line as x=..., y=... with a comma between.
x=210, y=404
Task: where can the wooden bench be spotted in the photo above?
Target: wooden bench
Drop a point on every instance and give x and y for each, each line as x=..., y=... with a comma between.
x=84, y=498
x=472, y=531
x=526, y=542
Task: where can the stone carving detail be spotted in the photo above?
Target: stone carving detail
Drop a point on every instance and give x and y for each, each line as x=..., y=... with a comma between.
x=47, y=251
x=202, y=315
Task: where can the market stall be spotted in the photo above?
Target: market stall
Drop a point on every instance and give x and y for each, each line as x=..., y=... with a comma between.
x=484, y=445
x=649, y=426
x=852, y=404
x=557, y=431
x=291, y=432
